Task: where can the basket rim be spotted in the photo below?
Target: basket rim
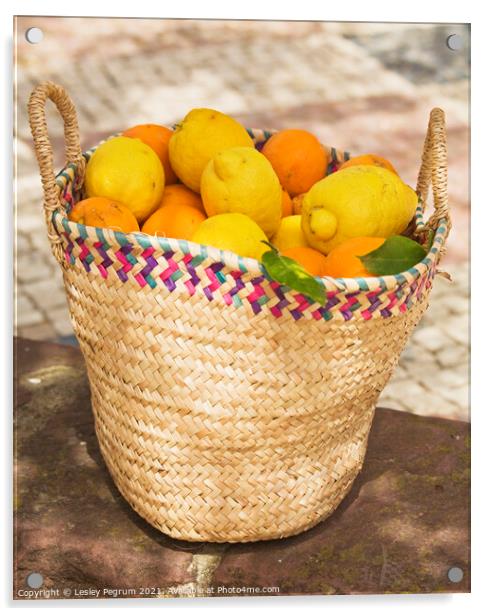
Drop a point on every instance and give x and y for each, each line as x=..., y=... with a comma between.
x=235, y=261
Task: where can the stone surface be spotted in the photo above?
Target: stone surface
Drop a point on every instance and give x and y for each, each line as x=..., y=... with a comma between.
x=71, y=525
x=61, y=321
x=48, y=292
x=402, y=526
x=428, y=61
x=26, y=312
x=358, y=86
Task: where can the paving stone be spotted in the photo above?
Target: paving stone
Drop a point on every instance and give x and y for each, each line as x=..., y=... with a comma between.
x=437, y=310
x=431, y=337
x=454, y=355
x=421, y=55
x=434, y=399
x=30, y=223
x=406, y=391
x=22, y=243
x=460, y=275
x=60, y=320
x=421, y=370
x=455, y=304
x=388, y=400
x=75, y=528
x=41, y=243
x=400, y=374
x=47, y=294
x=415, y=352
x=26, y=312
x=455, y=377
x=30, y=268
x=458, y=396
x=377, y=541
x=239, y=67
x=42, y=331
x=457, y=328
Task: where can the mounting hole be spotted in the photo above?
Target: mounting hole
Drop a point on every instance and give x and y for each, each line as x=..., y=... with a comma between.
x=34, y=580
x=455, y=42
x=34, y=35
x=455, y=575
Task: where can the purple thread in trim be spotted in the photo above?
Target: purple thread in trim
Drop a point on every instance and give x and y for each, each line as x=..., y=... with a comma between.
x=239, y=285
x=283, y=303
x=106, y=262
x=374, y=305
x=216, y=267
x=256, y=308
x=296, y=314
x=151, y=264
x=122, y=275
x=280, y=294
x=193, y=276
x=170, y=284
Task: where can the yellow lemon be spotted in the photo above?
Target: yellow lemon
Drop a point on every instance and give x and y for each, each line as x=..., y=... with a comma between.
x=126, y=170
x=242, y=180
x=235, y=232
x=363, y=200
x=289, y=234
x=196, y=140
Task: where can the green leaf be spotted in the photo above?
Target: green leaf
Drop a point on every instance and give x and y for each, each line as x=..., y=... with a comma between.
x=290, y=272
x=397, y=254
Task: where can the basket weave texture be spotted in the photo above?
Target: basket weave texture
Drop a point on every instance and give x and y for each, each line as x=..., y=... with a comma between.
x=228, y=407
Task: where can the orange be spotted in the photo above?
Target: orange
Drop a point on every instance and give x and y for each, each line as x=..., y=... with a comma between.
x=157, y=137
x=311, y=260
x=298, y=158
x=177, y=220
x=286, y=204
x=178, y=194
x=368, y=159
x=105, y=213
x=297, y=203
x=343, y=261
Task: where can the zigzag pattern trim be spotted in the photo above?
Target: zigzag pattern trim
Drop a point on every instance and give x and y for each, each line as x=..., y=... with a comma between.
x=184, y=267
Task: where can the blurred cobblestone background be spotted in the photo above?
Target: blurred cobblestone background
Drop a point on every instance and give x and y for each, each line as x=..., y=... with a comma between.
x=358, y=86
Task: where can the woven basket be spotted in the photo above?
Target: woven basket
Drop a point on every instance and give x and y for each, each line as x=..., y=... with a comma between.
x=228, y=407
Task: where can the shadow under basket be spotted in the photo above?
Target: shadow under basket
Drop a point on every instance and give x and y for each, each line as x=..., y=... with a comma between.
x=227, y=406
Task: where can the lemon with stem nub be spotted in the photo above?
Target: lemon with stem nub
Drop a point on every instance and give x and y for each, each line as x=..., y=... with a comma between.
x=243, y=180
x=362, y=200
x=198, y=138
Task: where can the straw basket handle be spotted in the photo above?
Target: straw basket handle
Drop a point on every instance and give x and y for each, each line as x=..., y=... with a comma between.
x=44, y=151
x=434, y=170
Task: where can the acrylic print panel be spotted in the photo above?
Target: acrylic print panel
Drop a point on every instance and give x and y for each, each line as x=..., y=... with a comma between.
x=403, y=524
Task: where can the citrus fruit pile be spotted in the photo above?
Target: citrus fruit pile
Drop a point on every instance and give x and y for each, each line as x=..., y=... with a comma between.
x=206, y=182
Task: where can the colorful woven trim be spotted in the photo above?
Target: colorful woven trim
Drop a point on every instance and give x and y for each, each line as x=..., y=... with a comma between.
x=188, y=268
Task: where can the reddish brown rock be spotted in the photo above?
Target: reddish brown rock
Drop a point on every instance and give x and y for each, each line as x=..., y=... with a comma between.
x=71, y=524
x=404, y=524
